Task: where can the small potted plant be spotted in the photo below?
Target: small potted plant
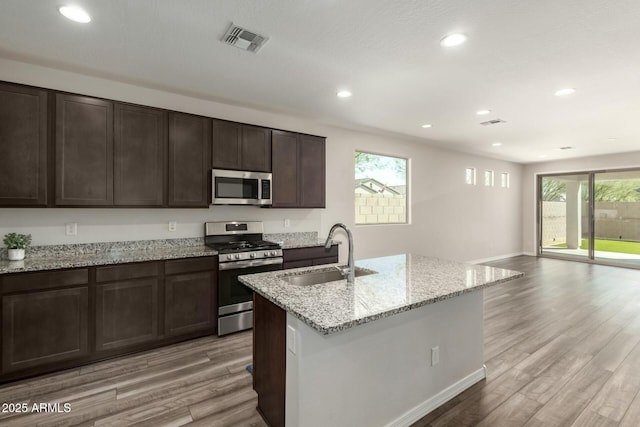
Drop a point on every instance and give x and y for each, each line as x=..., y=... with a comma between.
x=17, y=243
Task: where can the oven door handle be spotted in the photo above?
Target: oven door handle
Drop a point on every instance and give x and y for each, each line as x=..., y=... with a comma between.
x=235, y=265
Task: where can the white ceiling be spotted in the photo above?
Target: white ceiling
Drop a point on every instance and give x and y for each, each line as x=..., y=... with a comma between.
x=386, y=52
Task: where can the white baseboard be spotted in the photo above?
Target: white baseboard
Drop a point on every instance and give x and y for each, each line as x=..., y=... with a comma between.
x=417, y=412
x=495, y=258
x=529, y=254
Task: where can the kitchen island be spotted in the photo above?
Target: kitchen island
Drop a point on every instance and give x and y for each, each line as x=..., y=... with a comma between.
x=384, y=351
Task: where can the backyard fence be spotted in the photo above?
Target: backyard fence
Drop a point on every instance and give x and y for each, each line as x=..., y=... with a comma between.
x=380, y=208
x=613, y=221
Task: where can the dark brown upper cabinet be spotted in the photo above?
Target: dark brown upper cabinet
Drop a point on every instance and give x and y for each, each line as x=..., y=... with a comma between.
x=23, y=146
x=189, y=160
x=84, y=151
x=285, y=185
x=240, y=147
x=256, y=149
x=139, y=156
x=312, y=169
x=298, y=170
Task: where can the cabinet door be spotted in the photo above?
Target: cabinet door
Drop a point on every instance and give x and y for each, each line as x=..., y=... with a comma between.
x=126, y=313
x=189, y=159
x=23, y=146
x=190, y=303
x=226, y=146
x=84, y=151
x=44, y=327
x=139, y=155
x=284, y=146
x=312, y=172
x=256, y=149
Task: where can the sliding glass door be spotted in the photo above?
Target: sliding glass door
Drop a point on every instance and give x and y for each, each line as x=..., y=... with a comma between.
x=617, y=217
x=593, y=216
x=564, y=214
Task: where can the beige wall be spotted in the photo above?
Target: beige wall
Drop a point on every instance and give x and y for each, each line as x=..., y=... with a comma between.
x=447, y=218
x=611, y=161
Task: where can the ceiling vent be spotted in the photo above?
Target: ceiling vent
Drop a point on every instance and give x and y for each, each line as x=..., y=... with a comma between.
x=244, y=39
x=566, y=147
x=492, y=122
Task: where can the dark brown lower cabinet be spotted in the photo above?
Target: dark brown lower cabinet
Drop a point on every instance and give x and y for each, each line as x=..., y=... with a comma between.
x=126, y=313
x=44, y=327
x=190, y=303
x=306, y=257
x=54, y=320
x=269, y=359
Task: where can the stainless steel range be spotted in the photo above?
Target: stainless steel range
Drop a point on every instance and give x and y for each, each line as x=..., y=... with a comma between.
x=241, y=250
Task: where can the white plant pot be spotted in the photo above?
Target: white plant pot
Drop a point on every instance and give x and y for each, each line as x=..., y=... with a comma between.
x=16, y=254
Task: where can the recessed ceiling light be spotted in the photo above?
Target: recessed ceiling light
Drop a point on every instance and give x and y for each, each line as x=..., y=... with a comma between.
x=542, y=156
x=483, y=112
x=426, y=126
x=75, y=14
x=565, y=91
x=612, y=139
x=497, y=144
x=451, y=40
x=344, y=94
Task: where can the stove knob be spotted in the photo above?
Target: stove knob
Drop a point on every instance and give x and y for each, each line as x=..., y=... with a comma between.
x=237, y=256
x=273, y=253
x=266, y=254
x=229, y=256
x=252, y=255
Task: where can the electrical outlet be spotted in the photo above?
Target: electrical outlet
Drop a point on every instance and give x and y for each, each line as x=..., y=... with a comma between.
x=287, y=223
x=71, y=229
x=291, y=339
x=173, y=225
x=435, y=355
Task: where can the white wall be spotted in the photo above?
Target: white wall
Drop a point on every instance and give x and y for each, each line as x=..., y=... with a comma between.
x=448, y=218
x=594, y=163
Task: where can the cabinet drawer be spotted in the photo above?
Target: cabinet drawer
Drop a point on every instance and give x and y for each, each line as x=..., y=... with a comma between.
x=190, y=265
x=297, y=264
x=309, y=253
x=21, y=282
x=127, y=271
x=325, y=260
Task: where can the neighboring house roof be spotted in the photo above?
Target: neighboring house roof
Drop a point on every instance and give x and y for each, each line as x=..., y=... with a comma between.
x=374, y=186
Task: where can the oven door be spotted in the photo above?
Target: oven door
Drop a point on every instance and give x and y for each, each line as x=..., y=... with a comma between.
x=240, y=188
x=235, y=301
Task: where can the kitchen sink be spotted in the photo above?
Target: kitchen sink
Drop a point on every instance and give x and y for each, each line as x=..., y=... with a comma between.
x=323, y=276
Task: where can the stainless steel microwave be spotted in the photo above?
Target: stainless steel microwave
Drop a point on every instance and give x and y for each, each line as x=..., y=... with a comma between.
x=240, y=188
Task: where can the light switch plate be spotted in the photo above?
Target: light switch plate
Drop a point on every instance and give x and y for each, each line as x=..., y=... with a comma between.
x=71, y=229
x=173, y=225
x=435, y=355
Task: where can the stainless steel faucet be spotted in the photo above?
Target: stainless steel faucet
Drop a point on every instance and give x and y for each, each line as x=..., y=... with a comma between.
x=350, y=270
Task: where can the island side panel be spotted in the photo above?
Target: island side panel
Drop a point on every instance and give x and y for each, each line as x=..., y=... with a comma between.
x=269, y=342
x=380, y=373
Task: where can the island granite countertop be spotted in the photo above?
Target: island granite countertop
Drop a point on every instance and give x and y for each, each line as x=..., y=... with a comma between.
x=402, y=282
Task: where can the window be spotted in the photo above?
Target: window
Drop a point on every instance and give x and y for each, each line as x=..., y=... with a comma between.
x=488, y=178
x=380, y=189
x=470, y=177
x=504, y=180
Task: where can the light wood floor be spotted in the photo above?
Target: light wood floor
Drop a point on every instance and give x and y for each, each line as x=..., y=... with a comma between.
x=562, y=348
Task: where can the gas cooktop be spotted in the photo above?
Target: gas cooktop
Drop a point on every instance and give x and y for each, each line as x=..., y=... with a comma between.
x=243, y=246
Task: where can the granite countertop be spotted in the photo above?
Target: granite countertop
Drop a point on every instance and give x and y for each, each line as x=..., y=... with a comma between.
x=297, y=240
x=85, y=255
x=403, y=282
